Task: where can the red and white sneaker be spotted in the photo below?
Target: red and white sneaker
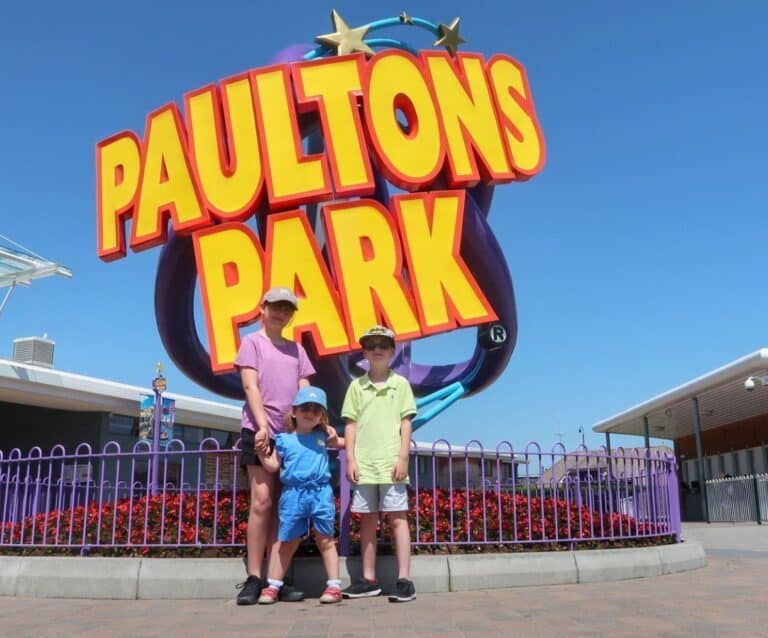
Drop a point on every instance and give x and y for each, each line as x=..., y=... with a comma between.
x=331, y=595
x=269, y=595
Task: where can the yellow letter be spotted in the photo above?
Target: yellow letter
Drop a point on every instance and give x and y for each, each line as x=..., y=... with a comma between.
x=472, y=132
x=294, y=259
x=118, y=166
x=224, y=145
x=230, y=267
x=395, y=83
x=525, y=143
x=167, y=186
x=368, y=265
x=291, y=177
x=445, y=290
x=332, y=86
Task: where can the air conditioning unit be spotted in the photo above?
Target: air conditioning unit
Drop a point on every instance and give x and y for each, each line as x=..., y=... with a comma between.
x=37, y=351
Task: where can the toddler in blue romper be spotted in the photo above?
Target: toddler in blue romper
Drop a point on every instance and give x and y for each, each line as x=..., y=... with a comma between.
x=301, y=455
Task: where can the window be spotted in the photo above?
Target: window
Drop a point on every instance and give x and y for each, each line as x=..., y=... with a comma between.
x=123, y=425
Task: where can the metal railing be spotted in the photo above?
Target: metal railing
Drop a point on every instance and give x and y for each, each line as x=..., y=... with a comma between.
x=108, y=501
x=738, y=498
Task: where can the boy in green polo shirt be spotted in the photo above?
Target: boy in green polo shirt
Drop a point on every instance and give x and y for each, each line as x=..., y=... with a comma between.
x=378, y=409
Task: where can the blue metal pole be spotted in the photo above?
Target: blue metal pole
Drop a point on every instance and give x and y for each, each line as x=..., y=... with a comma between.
x=646, y=433
x=700, y=459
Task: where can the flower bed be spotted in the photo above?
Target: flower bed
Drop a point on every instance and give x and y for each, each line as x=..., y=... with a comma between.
x=194, y=523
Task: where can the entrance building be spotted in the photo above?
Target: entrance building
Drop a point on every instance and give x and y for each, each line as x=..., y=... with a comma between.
x=718, y=424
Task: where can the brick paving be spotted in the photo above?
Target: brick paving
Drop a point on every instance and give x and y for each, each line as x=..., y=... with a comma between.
x=726, y=598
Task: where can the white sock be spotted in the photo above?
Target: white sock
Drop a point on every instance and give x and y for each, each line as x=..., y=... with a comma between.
x=334, y=582
x=275, y=583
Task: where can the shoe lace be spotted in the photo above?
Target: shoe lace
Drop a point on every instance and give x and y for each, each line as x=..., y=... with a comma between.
x=250, y=579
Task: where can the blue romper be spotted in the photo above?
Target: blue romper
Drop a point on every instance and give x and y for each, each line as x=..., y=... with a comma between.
x=307, y=492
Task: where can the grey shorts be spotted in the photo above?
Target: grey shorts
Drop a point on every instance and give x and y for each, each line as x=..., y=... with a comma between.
x=386, y=497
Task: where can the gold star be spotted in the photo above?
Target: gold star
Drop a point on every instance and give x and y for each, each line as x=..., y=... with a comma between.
x=344, y=39
x=449, y=36
x=405, y=18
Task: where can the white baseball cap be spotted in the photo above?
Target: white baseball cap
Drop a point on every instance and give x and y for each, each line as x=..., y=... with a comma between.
x=280, y=293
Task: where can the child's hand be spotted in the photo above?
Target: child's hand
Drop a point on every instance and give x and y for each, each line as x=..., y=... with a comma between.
x=261, y=442
x=400, y=471
x=352, y=472
x=334, y=440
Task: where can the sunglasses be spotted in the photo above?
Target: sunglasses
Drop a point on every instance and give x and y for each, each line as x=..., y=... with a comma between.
x=282, y=306
x=377, y=345
x=309, y=407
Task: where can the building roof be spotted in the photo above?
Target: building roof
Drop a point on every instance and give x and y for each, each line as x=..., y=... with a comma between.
x=50, y=388
x=626, y=463
x=458, y=452
x=721, y=395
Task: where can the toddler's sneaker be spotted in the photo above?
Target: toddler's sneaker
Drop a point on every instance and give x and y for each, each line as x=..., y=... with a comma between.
x=362, y=589
x=269, y=595
x=404, y=591
x=331, y=595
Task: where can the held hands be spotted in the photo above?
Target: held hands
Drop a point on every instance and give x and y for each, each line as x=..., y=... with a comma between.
x=334, y=440
x=261, y=441
x=400, y=471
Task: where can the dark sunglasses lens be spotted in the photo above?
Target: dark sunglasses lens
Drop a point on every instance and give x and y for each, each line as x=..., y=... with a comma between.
x=381, y=345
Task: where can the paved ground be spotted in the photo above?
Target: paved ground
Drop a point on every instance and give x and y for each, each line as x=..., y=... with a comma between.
x=726, y=598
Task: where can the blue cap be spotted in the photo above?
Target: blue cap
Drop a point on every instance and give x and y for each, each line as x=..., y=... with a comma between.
x=311, y=394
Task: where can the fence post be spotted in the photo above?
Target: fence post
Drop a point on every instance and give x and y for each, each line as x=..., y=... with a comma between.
x=673, y=495
x=755, y=486
x=344, y=520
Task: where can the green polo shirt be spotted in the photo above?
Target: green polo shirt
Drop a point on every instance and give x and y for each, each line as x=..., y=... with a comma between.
x=378, y=413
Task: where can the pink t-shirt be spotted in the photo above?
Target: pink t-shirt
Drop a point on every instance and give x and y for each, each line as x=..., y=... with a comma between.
x=279, y=369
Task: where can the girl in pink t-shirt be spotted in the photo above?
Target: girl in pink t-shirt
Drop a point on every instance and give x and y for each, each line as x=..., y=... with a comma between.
x=272, y=369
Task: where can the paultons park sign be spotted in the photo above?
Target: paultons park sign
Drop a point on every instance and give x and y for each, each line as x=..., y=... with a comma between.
x=284, y=175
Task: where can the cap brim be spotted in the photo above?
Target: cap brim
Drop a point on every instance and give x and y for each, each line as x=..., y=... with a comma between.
x=293, y=303
x=322, y=405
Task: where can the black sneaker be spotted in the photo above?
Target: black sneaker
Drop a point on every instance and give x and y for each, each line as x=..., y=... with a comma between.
x=249, y=591
x=404, y=591
x=289, y=594
x=362, y=589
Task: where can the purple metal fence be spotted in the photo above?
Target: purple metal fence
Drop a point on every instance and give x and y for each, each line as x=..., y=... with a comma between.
x=461, y=495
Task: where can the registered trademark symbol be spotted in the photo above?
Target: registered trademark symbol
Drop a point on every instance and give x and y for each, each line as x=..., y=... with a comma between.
x=498, y=334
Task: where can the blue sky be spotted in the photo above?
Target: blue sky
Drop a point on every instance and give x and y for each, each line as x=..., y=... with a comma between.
x=636, y=254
